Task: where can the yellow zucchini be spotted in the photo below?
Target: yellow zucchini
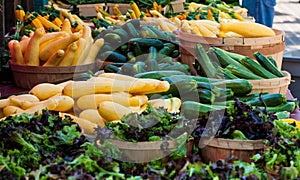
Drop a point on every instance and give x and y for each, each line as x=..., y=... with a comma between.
x=93, y=51
x=11, y=110
x=171, y=105
x=53, y=47
x=55, y=58
x=93, y=116
x=247, y=29
x=66, y=26
x=81, y=43
x=18, y=53
x=112, y=111
x=23, y=43
x=47, y=24
x=52, y=35
x=18, y=100
x=64, y=103
x=46, y=90
x=69, y=55
x=12, y=50
x=31, y=56
x=87, y=126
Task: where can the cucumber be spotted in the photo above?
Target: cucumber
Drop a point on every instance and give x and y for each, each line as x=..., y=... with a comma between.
x=257, y=68
x=158, y=74
x=241, y=73
x=110, y=68
x=113, y=56
x=147, y=42
x=269, y=100
x=240, y=87
x=193, y=110
x=265, y=62
x=205, y=63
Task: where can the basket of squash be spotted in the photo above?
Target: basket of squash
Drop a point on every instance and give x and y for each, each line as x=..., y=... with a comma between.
x=52, y=52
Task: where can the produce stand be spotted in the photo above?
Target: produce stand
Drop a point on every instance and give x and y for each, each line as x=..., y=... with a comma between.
x=119, y=100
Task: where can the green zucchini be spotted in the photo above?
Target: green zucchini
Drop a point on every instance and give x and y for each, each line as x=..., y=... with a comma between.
x=113, y=56
x=179, y=87
x=160, y=34
x=146, y=32
x=175, y=53
x=288, y=106
x=136, y=48
x=193, y=110
x=151, y=65
x=248, y=97
x=112, y=38
x=147, y=42
x=110, y=68
x=224, y=93
x=257, y=68
x=272, y=61
x=127, y=69
x=166, y=59
x=203, y=59
x=206, y=96
x=139, y=67
x=130, y=56
x=122, y=33
x=152, y=53
x=106, y=47
x=234, y=56
x=241, y=73
x=158, y=74
x=204, y=85
x=240, y=87
x=227, y=74
x=165, y=51
x=170, y=45
x=269, y=100
x=226, y=60
x=176, y=66
x=131, y=30
x=265, y=62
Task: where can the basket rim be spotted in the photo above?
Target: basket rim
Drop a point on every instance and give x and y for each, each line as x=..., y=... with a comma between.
x=278, y=38
x=145, y=145
x=215, y=142
x=51, y=69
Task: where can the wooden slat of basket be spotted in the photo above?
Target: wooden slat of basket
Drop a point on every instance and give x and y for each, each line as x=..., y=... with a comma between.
x=236, y=144
x=142, y=146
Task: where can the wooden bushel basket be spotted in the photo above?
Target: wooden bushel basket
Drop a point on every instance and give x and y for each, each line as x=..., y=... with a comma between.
x=220, y=148
x=140, y=152
x=28, y=76
x=269, y=46
x=275, y=85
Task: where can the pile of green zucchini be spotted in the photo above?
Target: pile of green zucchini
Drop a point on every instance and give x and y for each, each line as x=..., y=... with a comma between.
x=132, y=49
x=218, y=63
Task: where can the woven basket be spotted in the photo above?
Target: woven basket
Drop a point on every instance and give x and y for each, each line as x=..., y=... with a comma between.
x=28, y=76
x=220, y=148
x=269, y=46
x=275, y=85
